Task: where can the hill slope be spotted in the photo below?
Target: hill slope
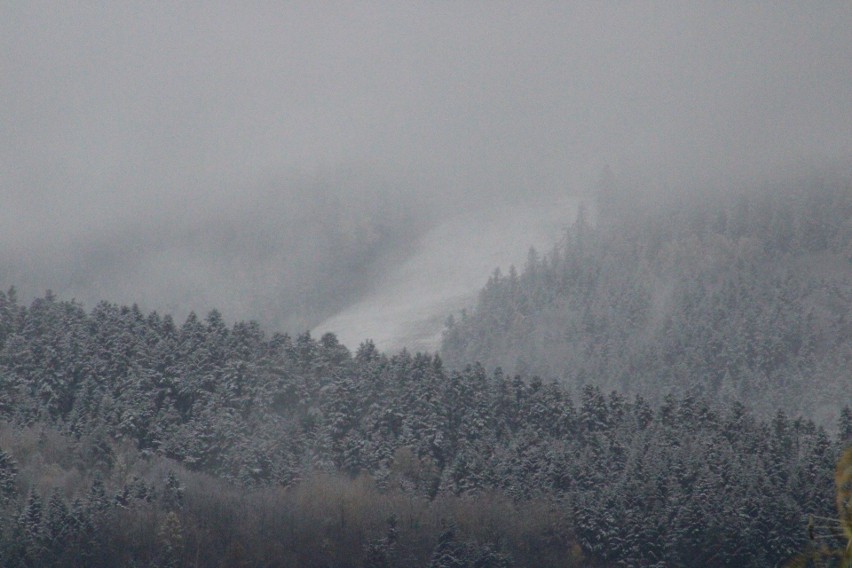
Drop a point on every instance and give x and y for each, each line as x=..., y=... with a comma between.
x=408, y=303
x=744, y=295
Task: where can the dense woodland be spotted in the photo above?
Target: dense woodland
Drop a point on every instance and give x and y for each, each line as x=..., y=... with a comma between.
x=741, y=296
x=131, y=440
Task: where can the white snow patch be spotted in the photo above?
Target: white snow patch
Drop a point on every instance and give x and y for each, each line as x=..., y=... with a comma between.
x=408, y=304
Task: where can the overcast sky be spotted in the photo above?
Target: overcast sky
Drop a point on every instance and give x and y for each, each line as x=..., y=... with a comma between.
x=119, y=120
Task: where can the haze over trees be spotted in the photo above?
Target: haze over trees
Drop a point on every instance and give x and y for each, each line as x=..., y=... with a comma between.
x=130, y=439
x=741, y=295
x=303, y=248
x=664, y=383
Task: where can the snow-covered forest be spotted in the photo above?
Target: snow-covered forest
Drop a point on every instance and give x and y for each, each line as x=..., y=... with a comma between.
x=425, y=284
x=743, y=294
x=131, y=439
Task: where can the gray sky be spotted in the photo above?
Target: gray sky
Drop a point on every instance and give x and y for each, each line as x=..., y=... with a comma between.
x=137, y=138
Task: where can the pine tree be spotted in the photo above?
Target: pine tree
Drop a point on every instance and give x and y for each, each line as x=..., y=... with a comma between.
x=172, y=497
x=8, y=475
x=171, y=541
x=30, y=523
x=844, y=426
x=58, y=526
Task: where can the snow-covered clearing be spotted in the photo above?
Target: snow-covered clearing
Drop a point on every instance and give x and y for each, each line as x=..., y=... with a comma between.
x=408, y=304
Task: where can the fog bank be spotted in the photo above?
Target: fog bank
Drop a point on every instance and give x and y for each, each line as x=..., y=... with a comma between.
x=281, y=162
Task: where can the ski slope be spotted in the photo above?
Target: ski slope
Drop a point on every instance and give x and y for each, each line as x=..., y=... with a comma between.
x=409, y=303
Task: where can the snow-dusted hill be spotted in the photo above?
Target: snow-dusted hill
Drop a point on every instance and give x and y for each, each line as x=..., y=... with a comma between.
x=408, y=304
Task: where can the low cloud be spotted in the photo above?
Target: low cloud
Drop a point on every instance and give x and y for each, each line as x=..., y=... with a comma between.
x=274, y=161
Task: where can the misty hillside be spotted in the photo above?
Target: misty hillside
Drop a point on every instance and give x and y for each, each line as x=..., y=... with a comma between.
x=249, y=315
x=287, y=253
x=408, y=302
x=739, y=295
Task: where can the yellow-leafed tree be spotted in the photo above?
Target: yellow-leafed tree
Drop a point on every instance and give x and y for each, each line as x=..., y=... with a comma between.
x=823, y=555
x=843, y=478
